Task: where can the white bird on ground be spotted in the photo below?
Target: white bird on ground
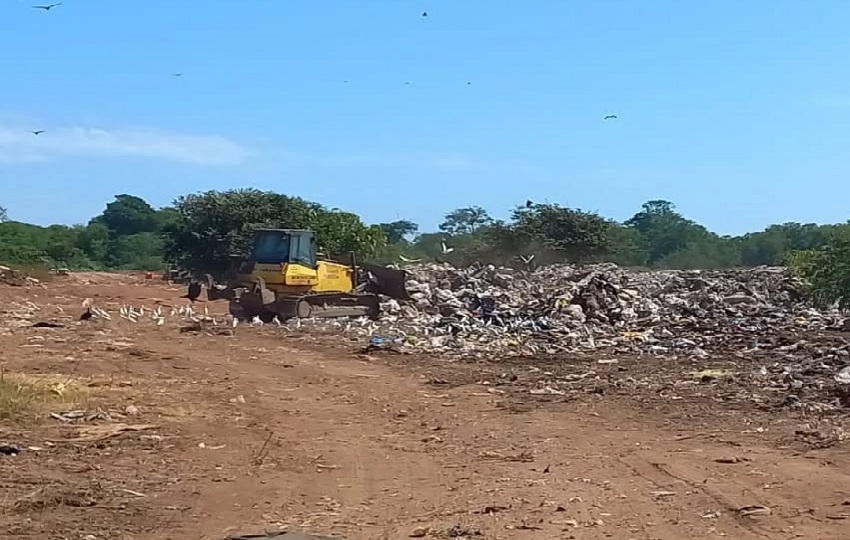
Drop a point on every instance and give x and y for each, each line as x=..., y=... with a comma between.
x=160, y=321
x=446, y=250
x=234, y=323
x=276, y=320
x=206, y=312
x=256, y=321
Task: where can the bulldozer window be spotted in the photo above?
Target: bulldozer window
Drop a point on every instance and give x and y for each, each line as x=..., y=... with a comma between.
x=272, y=248
x=304, y=250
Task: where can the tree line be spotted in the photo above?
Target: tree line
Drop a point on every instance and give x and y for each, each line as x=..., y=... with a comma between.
x=205, y=231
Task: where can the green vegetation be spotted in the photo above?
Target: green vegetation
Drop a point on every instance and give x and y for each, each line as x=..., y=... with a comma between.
x=827, y=267
x=205, y=231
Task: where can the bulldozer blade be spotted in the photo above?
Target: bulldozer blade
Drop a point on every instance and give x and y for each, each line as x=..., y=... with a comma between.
x=388, y=281
x=218, y=292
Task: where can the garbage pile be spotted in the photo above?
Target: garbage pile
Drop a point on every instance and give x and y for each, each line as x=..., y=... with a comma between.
x=560, y=307
x=758, y=323
x=489, y=310
x=760, y=318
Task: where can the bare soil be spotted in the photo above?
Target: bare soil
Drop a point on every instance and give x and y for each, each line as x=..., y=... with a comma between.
x=202, y=435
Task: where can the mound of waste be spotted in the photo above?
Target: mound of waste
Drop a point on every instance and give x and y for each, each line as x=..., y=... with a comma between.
x=758, y=317
x=561, y=307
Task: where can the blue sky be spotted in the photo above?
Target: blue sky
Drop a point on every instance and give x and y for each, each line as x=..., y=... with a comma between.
x=736, y=111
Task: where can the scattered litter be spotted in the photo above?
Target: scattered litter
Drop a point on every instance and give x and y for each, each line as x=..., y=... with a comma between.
x=9, y=450
x=754, y=510
x=48, y=324
x=730, y=459
x=420, y=532
x=100, y=433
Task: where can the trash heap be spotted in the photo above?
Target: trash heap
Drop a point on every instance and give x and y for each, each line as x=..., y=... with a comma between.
x=755, y=322
x=486, y=310
x=574, y=308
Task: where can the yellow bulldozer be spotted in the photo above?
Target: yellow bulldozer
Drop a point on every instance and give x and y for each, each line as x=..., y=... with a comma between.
x=283, y=277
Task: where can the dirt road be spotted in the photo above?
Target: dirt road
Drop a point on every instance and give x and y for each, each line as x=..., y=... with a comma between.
x=249, y=432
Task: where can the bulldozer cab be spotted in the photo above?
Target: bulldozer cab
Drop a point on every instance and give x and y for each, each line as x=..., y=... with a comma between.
x=279, y=246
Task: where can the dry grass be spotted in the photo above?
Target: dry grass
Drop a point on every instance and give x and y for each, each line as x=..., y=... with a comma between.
x=27, y=395
x=19, y=274
x=40, y=272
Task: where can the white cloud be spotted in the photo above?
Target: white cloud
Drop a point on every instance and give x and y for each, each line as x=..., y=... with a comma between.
x=20, y=145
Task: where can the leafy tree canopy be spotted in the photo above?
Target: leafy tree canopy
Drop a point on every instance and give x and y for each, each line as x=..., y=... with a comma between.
x=398, y=231
x=204, y=231
x=466, y=220
x=128, y=214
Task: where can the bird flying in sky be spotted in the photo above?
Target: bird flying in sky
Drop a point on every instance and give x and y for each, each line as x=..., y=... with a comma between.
x=37, y=132
x=610, y=117
x=48, y=7
x=445, y=249
x=424, y=13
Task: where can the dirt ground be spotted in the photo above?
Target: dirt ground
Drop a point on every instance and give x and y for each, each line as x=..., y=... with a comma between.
x=194, y=435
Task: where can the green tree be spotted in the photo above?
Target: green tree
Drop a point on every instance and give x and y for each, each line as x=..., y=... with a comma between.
x=93, y=240
x=128, y=214
x=713, y=252
x=827, y=268
x=664, y=230
x=62, y=248
x=213, y=228
x=398, y=231
x=626, y=246
x=576, y=235
x=22, y=243
x=775, y=243
x=339, y=233
x=465, y=220
x=165, y=216
x=142, y=251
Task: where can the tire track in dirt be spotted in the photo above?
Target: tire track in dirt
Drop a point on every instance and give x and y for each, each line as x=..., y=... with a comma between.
x=257, y=432
x=363, y=450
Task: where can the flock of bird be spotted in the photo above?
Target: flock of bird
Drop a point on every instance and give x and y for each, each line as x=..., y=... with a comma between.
x=48, y=7
x=199, y=319
x=157, y=315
